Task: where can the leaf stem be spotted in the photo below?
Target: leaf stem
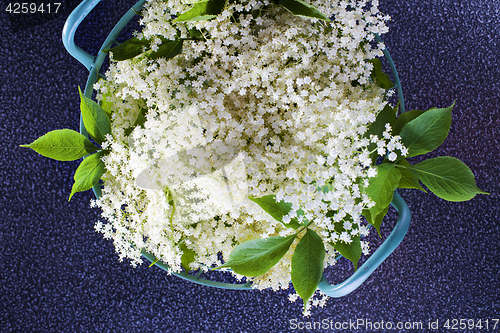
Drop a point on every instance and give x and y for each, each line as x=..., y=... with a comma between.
x=168, y=195
x=304, y=227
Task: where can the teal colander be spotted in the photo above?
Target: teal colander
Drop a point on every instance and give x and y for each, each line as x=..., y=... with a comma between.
x=93, y=64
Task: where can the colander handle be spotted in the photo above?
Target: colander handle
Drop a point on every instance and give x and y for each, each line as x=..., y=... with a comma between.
x=73, y=22
x=68, y=35
x=387, y=247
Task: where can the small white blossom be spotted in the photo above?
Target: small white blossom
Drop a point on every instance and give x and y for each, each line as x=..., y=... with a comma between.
x=392, y=156
x=371, y=172
x=251, y=110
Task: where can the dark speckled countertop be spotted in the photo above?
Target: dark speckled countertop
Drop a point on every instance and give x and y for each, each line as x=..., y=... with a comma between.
x=58, y=275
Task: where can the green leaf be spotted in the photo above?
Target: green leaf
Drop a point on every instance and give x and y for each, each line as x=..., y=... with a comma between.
x=105, y=104
x=387, y=115
x=95, y=119
x=276, y=209
x=302, y=8
x=88, y=173
x=129, y=49
x=256, y=257
x=62, y=145
x=202, y=10
x=195, y=33
x=167, y=50
x=427, y=131
x=381, y=187
x=382, y=79
x=403, y=119
x=141, y=119
x=326, y=188
x=188, y=257
x=376, y=220
x=154, y=262
x=408, y=178
x=447, y=177
x=307, y=265
x=134, y=47
x=351, y=251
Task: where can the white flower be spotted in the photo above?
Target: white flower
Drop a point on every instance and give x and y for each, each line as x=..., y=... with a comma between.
x=347, y=225
x=345, y=237
x=404, y=151
x=254, y=91
x=371, y=172
x=392, y=156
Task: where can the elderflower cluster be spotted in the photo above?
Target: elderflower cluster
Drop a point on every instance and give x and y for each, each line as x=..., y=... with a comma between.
x=262, y=104
x=388, y=148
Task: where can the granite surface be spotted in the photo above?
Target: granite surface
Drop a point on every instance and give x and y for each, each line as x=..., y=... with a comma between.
x=58, y=275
